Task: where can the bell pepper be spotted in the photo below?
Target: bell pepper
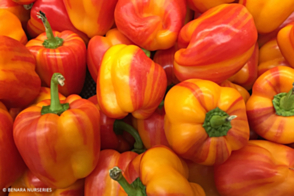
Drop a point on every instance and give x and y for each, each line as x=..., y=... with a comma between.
x=99, y=183
x=19, y=82
x=63, y=52
x=160, y=172
x=33, y=186
x=270, y=107
x=56, y=15
x=129, y=82
x=98, y=45
x=11, y=163
x=165, y=58
x=204, y=5
x=244, y=93
x=151, y=24
x=269, y=15
x=247, y=75
x=204, y=122
x=202, y=55
x=59, y=140
x=11, y=26
x=261, y=168
x=285, y=41
x=94, y=17
x=24, y=2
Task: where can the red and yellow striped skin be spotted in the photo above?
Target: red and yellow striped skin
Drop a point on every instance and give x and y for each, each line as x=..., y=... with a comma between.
x=93, y=17
x=129, y=82
x=11, y=163
x=151, y=130
x=11, y=26
x=261, y=168
x=247, y=75
x=165, y=58
x=186, y=105
x=97, y=47
x=68, y=59
x=269, y=15
x=204, y=5
x=151, y=24
x=24, y=2
x=99, y=183
x=244, y=93
x=29, y=180
x=19, y=82
x=210, y=46
x=285, y=41
x=261, y=114
x=59, y=149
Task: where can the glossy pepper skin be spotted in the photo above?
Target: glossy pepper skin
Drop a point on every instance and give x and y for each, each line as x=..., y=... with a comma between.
x=204, y=5
x=29, y=180
x=63, y=52
x=60, y=142
x=100, y=176
x=24, y=2
x=19, y=82
x=261, y=168
x=268, y=15
x=204, y=122
x=11, y=26
x=247, y=75
x=98, y=45
x=94, y=17
x=202, y=55
x=285, y=41
x=129, y=82
x=57, y=17
x=151, y=24
x=244, y=93
x=11, y=163
x=269, y=110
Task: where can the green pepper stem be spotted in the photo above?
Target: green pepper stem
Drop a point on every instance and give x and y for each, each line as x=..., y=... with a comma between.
x=147, y=52
x=161, y=104
x=287, y=102
x=51, y=41
x=121, y=125
x=55, y=106
x=116, y=174
x=217, y=121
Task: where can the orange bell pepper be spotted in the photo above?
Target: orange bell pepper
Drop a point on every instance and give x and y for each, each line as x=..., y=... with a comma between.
x=269, y=15
x=151, y=24
x=129, y=82
x=204, y=122
x=210, y=46
x=285, y=41
x=94, y=17
x=33, y=186
x=247, y=75
x=19, y=82
x=261, y=168
x=59, y=141
x=11, y=163
x=245, y=94
x=270, y=107
x=161, y=172
x=98, y=45
x=204, y=5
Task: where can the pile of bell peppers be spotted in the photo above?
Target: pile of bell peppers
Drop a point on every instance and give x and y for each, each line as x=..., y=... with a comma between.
x=190, y=97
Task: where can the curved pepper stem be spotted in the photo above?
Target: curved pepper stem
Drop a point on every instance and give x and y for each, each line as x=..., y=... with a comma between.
x=134, y=189
x=120, y=125
x=284, y=103
x=55, y=106
x=51, y=41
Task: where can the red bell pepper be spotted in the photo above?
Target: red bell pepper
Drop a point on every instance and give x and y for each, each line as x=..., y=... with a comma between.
x=63, y=52
x=151, y=24
x=59, y=141
x=11, y=163
x=98, y=45
x=57, y=17
x=24, y=2
x=204, y=5
x=210, y=46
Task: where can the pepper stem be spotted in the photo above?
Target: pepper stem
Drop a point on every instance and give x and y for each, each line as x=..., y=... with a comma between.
x=217, y=121
x=28, y=6
x=51, y=41
x=116, y=174
x=147, y=52
x=55, y=106
x=284, y=103
x=287, y=102
x=120, y=125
